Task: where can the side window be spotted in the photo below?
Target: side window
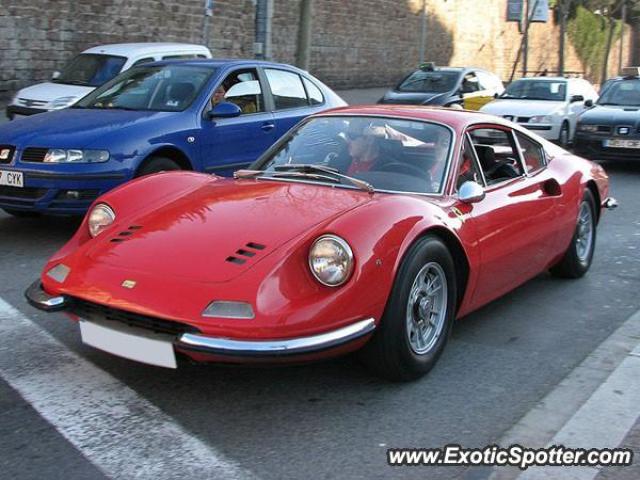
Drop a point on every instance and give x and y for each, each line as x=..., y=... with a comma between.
x=531, y=152
x=243, y=88
x=470, y=83
x=287, y=89
x=314, y=93
x=144, y=60
x=497, y=154
x=469, y=170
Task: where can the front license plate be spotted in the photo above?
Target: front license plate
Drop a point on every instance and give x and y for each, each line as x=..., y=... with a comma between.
x=620, y=143
x=11, y=179
x=132, y=343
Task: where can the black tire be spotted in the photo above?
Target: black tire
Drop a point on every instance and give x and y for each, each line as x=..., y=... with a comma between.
x=574, y=265
x=21, y=213
x=565, y=134
x=157, y=165
x=389, y=353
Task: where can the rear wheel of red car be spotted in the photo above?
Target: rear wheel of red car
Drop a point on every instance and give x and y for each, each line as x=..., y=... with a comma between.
x=157, y=165
x=419, y=314
x=577, y=259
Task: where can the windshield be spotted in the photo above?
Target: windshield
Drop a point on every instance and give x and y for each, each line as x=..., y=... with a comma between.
x=554, y=90
x=91, y=69
x=429, y=82
x=166, y=88
x=388, y=154
x=625, y=93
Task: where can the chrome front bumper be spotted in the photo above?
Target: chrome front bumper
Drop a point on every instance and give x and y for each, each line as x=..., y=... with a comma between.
x=38, y=298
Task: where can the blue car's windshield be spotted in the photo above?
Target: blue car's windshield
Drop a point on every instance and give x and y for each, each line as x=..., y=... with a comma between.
x=535, y=89
x=624, y=93
x=91, y=69
x=164, y=88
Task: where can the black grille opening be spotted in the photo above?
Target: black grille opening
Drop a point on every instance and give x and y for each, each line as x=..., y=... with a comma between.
x=81, y=195
x=34, y=154
x=6, y=153
x=256, y=246
x=28, y=193
x=246, y=253
x=95, y=311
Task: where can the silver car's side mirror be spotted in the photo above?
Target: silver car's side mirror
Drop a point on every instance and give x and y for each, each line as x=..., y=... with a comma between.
x=471, y=192
x=55, y=75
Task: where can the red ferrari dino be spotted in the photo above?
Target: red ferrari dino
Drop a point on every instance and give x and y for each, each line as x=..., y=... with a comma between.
x=367, y=228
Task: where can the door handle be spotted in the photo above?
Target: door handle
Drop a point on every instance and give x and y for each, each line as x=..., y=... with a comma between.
x=268, y=126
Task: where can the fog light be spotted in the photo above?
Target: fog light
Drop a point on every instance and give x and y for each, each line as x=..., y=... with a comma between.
x=59, y=272
x=223, y=309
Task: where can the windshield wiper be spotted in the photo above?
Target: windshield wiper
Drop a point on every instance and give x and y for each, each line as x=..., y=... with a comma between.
x=306, y=170
x=310, y=168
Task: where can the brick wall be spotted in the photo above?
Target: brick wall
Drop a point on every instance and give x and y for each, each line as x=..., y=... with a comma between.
x=355, y=43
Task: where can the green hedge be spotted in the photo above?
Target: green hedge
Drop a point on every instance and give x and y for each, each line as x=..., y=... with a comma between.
x=588, y=34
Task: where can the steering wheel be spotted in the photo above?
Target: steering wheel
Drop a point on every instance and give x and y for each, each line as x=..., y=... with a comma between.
x=401, y=167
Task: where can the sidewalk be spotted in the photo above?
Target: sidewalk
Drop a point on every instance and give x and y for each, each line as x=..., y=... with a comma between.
x=362, y=96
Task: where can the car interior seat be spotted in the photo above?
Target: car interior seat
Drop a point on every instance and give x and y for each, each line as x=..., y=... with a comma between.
x=179, y=93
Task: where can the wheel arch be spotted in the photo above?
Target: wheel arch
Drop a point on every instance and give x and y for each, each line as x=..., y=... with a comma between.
x=171, y=152
x=460, y=260
x=593, y=187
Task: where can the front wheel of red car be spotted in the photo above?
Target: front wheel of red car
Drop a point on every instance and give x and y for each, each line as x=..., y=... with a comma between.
x=578, y=257
x=419, y=314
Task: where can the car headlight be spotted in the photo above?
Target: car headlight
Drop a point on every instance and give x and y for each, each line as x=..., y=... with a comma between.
x=541, y=119
x=331, y=260
x=59, y=155
x=587, y=128
x=63, y=102
x=100, y=218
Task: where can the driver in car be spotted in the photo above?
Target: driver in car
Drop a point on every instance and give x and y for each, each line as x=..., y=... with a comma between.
x=362, y=143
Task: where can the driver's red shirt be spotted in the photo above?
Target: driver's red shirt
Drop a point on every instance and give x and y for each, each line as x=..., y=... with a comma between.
x=360, y=166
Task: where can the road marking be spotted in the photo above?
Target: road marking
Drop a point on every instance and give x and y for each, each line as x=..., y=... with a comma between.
x=120, y=432
x=595, y=406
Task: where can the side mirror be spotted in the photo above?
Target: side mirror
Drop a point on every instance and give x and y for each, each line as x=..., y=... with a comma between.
x=471, y=192
x=588, y=103
x=576, y=98
x=224, y=110
x=55, y=75
x=496, y=95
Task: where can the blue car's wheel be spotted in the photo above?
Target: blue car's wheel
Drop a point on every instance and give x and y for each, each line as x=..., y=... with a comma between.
x=157, y=165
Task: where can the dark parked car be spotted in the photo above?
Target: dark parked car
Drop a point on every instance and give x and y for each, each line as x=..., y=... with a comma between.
x=456, y=87
x=610, y=129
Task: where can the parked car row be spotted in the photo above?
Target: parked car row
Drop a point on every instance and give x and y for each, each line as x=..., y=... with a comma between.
x=343, y=229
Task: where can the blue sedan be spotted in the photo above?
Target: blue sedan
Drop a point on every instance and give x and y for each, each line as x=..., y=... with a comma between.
x=206, y=115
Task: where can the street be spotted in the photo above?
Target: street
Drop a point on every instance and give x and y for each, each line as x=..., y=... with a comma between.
x=327, y=420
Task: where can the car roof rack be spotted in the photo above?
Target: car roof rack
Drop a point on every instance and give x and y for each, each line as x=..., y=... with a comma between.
x=427, y=66
x=630, y=72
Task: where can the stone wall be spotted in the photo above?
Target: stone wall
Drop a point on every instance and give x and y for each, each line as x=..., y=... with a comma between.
x=356, y=43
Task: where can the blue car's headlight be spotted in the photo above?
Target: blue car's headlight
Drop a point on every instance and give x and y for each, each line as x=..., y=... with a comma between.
x=58, y=155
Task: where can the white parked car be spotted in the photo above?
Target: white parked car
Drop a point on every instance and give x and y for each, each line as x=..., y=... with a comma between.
x=549, y=106
x=92, y=68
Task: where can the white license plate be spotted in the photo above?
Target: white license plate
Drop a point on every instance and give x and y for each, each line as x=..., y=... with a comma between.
x=621, y=143
x=132, y=343
x=11, y=179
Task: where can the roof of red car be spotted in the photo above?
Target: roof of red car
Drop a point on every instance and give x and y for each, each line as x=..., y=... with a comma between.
x=458, y=119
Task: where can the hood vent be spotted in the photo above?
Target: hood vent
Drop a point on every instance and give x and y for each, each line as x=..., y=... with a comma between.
x=122, y=236
x=243, y=254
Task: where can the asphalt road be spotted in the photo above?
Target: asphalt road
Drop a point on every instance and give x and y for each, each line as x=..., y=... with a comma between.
x=335, y=420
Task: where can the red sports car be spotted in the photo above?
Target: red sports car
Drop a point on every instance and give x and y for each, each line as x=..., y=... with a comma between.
x=367, y=228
